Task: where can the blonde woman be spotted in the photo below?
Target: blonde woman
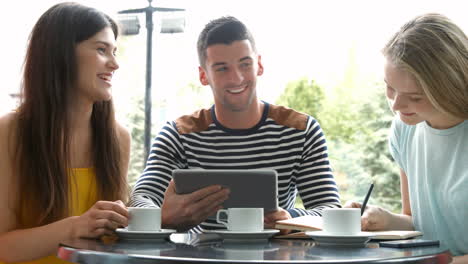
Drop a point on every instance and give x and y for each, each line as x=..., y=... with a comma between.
x=426, y=73
x=64, y=158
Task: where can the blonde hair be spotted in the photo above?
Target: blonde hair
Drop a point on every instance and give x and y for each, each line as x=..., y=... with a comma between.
x=435, y=51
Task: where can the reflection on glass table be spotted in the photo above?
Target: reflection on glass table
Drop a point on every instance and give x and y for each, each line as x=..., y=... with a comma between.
x=211, y=248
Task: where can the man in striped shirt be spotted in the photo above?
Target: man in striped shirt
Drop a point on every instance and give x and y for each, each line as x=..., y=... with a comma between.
x=238, y=132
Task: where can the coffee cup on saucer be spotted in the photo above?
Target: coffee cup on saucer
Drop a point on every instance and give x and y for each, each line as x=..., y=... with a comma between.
x=342, y=221
x=144, y=219
x=241, y=219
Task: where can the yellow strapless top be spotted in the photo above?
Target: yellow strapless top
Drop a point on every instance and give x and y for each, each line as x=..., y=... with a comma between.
x=83, y=196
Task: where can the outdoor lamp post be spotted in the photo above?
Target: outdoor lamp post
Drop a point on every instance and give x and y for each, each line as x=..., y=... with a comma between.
x=171, y=25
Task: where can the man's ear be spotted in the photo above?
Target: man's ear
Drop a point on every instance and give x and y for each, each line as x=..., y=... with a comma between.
x=260, y=66
x=202, y=76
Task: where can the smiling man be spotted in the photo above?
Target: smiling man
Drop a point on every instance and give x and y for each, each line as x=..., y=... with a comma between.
x=238, y=132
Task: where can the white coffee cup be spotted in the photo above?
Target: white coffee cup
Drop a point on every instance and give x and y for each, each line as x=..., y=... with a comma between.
x=144, y=219
x=342, y=221
x=242, y=219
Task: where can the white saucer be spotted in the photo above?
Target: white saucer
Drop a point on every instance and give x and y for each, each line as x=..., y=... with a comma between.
x=237, y=235
x=325, y=239
x=123, y=233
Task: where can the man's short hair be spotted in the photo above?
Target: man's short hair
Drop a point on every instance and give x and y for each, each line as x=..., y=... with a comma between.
x=224, y=30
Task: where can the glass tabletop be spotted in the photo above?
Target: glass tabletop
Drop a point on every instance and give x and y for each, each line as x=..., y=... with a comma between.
x=210, y=248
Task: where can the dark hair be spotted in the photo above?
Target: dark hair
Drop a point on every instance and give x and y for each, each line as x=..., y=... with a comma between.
x=42, y=157
x=224, y=30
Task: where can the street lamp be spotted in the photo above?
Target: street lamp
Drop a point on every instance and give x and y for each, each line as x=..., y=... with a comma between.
x=172, y=25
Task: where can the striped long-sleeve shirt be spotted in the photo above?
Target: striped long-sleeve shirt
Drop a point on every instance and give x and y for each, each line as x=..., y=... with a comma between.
x=287, y=141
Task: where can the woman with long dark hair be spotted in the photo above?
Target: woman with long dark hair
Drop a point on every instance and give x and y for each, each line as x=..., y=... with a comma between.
x=64, y=158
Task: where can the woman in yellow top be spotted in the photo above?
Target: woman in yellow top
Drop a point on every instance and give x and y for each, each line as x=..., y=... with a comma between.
x=64, y=158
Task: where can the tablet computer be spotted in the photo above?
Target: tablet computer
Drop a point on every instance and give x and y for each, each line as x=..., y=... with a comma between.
x=248, y=188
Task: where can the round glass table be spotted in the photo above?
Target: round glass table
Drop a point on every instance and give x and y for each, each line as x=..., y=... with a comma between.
x=210, y=248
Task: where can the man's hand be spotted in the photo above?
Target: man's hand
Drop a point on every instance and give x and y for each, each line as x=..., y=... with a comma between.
x=271, y=218
x=184, y=211
x=374, y=218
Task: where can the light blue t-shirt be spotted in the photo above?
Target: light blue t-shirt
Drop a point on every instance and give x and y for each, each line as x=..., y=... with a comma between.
x=436, y=164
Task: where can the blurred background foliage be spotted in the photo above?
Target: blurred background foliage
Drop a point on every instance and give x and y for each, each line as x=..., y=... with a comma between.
x=356, y=133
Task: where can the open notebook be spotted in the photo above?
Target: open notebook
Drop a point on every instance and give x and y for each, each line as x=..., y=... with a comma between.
x=314, y=223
